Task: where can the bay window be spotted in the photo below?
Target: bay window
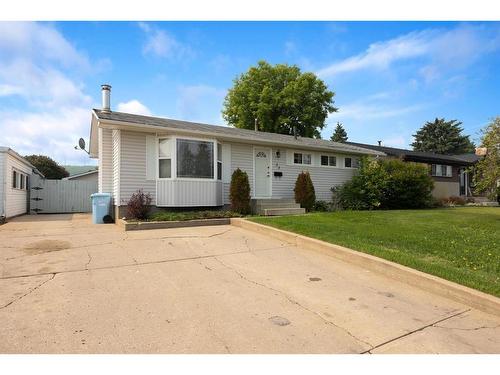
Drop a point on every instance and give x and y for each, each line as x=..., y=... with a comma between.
x=195, y=159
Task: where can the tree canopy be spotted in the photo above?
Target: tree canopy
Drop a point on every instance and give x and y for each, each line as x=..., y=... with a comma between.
x=487, y=170
x=47, y=166
x=280, y=97
x=442, y=137
x=339, y=134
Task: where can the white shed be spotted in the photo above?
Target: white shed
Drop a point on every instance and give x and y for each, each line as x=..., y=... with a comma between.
x=15, y=176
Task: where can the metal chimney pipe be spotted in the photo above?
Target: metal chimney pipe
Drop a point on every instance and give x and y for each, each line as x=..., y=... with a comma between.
x=106, y=97
x=256, y=125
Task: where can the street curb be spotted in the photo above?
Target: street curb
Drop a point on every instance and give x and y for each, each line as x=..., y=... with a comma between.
x=456, y=292
x=145, y=225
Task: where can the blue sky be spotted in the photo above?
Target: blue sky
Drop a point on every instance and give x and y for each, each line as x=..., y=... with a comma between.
x=388, y=77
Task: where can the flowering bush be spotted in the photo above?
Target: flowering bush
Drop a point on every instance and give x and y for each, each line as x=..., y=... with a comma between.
x=139, y=205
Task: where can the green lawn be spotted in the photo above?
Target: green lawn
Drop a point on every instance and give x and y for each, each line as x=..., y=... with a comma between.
x=458, y=244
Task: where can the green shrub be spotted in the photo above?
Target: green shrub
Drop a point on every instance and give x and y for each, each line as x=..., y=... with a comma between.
x=240, y=192
x=304, y=191
x=409, y=185
x=386, y=184
x=322, y=206
x=498, y=194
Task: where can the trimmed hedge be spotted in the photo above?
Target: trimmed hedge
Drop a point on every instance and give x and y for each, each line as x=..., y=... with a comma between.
x=239, y=192
x=304, y=191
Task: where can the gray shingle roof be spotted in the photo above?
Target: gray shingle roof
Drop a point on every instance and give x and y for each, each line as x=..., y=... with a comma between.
x=235, y=133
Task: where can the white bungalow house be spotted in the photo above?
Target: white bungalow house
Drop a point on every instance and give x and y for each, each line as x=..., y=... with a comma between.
x=187, y=164
x=15, y=175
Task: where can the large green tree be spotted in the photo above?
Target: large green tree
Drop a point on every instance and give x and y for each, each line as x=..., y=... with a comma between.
x=280, y=97
x=339, y=134
x=442, y=137
x=487, y=170
x=47, y=166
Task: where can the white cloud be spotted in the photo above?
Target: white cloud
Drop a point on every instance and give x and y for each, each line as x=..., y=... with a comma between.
x=162, y=44
x=364, y=111
x=53, y=133
x=455, y=48
x=32, y=40
x=134, y=106
x=38, y=66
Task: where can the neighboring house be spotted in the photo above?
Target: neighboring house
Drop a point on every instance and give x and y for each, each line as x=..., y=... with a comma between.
x=15, y=176
x=91, y=175
x=187, y=164
x=450, y=172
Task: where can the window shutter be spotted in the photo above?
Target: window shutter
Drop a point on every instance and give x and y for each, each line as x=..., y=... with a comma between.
x=226, y=163
x=150, y=157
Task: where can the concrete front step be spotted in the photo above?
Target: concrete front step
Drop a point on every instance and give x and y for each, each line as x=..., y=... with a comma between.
x=276, y=205
x=273, y=200
x=283, y=211
x=489, y=204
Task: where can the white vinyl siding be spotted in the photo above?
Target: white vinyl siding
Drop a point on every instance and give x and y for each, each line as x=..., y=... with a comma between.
x=242, y=158
x=116, y=165
x=323, y=178
x=3, y=174
x=133, y=167
x=151, y=145
x=16, y=199
x=105, y=161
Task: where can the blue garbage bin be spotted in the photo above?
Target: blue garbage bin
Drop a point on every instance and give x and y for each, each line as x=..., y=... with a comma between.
x=101, y=206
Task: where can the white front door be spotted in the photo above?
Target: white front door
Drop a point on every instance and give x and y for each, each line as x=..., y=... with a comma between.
x=262, y=172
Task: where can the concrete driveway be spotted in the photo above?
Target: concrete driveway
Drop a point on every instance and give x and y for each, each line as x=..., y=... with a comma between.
x=68, y=286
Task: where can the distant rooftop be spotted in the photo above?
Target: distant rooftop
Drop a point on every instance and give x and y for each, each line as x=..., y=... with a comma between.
x=79, y=169
x=430, y=157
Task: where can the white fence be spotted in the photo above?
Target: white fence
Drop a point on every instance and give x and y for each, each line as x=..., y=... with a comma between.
x=60, y=196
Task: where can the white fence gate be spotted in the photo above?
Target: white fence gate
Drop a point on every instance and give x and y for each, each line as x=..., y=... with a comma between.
x=60, y=196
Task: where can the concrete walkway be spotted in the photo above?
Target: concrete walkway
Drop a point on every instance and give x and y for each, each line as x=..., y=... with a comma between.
x=68, y=286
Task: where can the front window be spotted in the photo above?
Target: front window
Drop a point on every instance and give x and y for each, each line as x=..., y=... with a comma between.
x=348, y=162
x=439, y=170
x=14, y=179
x=299, y=158
x=195, y=159
x=328, y=161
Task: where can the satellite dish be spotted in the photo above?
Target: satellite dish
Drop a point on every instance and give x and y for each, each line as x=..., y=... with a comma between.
x=81, y=143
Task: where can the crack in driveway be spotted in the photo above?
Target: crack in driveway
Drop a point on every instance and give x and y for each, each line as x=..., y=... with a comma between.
x=29, y=291
x=292, y=301
x=416, y=330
